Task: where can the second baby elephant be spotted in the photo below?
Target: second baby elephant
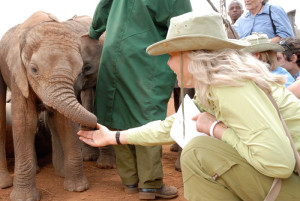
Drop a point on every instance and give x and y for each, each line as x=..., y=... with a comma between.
x=85, y=87
x=39, y=61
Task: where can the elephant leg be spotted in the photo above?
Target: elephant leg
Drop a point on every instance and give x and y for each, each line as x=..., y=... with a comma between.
x=87, y=98
x=24, y=121
x=58, y=157
x=107, y=158
x=177, y=163
x=89, y=153
x=75, y=179
x=42, y=138
x=5, y=178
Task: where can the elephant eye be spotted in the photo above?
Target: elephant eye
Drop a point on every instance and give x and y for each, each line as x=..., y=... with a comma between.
x=87, y=68
x=34, y=70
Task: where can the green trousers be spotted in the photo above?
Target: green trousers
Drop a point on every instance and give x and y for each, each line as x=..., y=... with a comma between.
x=140, y=165
x=212, y=170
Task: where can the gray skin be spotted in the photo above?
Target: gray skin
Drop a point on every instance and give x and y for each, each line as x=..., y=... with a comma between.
x=39, y=61
x=85, y=87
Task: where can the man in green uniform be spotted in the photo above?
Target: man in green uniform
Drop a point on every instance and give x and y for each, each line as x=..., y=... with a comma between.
x=133, y=88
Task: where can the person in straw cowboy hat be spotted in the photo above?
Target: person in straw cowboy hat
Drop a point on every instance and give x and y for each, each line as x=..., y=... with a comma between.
x=245, y=146
x=263, y=49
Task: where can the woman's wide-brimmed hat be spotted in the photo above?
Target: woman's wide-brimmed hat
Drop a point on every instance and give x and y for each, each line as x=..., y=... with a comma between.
x=260, y=43
x=192, y=31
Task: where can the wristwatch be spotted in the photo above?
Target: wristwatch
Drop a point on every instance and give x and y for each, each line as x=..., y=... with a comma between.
x=118, y=137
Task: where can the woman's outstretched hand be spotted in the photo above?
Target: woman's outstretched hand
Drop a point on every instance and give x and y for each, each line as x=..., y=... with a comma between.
x=95, y=138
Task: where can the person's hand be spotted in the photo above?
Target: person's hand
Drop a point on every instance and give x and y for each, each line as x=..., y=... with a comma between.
x=95, y=138
x=204, y=121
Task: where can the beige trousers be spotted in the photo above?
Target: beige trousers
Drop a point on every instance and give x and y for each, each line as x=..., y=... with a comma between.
x=212, y=170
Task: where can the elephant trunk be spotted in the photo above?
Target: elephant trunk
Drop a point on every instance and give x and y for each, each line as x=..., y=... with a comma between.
x=61, y=97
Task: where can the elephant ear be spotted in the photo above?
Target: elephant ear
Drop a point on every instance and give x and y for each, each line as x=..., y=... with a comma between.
x=18, y=42
x=85, y=35
x=17, y=69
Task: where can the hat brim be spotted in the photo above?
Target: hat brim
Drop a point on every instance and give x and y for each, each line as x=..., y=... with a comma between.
x=262, y=47
x=194, y=42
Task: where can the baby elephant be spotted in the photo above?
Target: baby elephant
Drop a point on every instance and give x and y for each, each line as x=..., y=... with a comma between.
x=39, y=61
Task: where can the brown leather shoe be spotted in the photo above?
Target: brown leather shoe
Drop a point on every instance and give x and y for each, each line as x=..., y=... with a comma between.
x=130, y=189
x=163, y=192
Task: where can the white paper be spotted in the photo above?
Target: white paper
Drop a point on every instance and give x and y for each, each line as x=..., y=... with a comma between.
x=190, y=110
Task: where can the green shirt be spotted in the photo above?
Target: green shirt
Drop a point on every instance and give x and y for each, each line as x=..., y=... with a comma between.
x=133, y=88
x=254, y=128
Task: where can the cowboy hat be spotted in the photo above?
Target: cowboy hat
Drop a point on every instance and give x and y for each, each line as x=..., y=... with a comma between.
x=260, y=43
x=192, y=31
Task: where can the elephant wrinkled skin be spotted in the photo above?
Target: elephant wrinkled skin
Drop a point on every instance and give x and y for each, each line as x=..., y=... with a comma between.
x=39, y=61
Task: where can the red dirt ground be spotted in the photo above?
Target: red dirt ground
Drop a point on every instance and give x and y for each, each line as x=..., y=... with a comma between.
x=105, y=185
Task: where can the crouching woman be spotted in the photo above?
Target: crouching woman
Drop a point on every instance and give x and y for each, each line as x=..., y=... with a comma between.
x=246, y=146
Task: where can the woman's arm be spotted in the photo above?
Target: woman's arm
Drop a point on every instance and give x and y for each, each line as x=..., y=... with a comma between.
x=281, y=21
x=254, y=129
x=153, y=133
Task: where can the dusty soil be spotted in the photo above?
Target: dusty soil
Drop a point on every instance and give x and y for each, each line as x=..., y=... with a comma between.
x=105, y=185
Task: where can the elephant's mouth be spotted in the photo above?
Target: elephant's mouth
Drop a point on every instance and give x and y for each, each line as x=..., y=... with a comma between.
x=40, y=105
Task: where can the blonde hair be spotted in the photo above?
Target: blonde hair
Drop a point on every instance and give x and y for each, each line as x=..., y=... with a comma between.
x=270, y=58
x=227, y=67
